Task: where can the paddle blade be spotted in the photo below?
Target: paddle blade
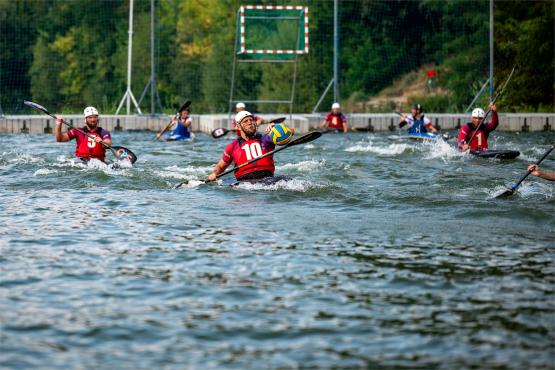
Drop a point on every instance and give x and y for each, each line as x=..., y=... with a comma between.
x=185, y=105
x=219, y=132
x=122, y=153
x=504, y=193
x=305, y=138
x=36, y=106
x=278, y=120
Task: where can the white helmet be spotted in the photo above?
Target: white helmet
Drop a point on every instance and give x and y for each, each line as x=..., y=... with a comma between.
x=240, y=105
x=335, y=106
x=478, y=112
x=241, y=116
x=90, y=111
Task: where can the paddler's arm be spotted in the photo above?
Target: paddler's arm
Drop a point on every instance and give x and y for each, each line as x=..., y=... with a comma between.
x=324, y=123
x=58, y=130
x=536, y=171
x=463, y=146
x=494, y=118
x=345, y=128
x=107, y=141
x=219, y=168
x=431, y=127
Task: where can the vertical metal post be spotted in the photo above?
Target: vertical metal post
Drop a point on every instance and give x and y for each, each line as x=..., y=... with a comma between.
x=336, y=52
x=128, y=96
x=129, y=54
x=234, y=66
x=152, y=71
x=491, y=48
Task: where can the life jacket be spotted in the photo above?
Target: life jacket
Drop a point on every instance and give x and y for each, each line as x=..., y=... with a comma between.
x=250, y=149
x=181, y=130
x=480, y=141
x=418, y=126
x=87, y=147
x=336, y=121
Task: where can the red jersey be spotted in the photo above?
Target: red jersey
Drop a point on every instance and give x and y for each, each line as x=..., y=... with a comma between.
x=241, y=151
x=336, y=121
x=86, y=146
x=480, y=141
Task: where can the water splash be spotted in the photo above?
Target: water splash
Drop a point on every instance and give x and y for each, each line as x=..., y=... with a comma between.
x=44, y=172
x=389, y=150
x=441, y=149
x=303, y=166
x=295, y=185
x=184, y=173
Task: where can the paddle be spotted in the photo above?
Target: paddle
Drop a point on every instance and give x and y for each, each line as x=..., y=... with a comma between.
x=402, y=123
x=511, y=191
x=499, y=92
x=219, y=132
x=118, y=151
x=185, y=105
x=301, y=140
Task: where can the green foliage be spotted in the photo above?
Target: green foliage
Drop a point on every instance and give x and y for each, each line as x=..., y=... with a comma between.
x=70, y=53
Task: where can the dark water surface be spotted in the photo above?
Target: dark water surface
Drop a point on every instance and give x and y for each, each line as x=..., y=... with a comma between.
x=378, y=254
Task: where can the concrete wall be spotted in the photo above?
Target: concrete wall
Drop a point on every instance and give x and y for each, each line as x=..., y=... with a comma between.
x=39, y=124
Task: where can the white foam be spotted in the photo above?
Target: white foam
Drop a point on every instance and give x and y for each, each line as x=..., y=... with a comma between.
x=291, y=185
x=24, y=158
x=192, y=184
x=184, y=173
x=304, y=166
x=441, y=149
x=392, y=149
x=44, y=171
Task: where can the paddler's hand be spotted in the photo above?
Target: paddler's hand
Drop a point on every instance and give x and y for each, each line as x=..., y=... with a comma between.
x=59, y=120
x=97, y=139
x=465, y=147
x=269, y=128
x=493, y=107
x=212, y=176
x=534, y=169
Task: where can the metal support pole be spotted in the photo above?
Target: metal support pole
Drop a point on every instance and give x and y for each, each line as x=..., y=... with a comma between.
x=335, y=53
x=491, y=48
x=152, y=71
x=233, y=69
x=477, y=96
x=128, y=96
x=323, y=96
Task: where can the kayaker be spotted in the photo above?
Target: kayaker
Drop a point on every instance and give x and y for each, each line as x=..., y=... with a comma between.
x=536, y=171
x=248, y=146
x=240, y=107
x=183, y=122
x=418, y=122
x=480, y=140
x=335, y=120
x=87, y=147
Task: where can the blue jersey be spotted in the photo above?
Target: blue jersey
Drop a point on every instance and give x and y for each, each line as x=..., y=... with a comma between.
x=418, y=126
x=180, y=130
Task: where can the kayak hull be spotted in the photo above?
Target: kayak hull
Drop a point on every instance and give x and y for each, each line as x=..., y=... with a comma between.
x=499, y=154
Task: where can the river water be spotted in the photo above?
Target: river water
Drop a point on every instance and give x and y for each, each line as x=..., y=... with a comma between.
x=377, y=254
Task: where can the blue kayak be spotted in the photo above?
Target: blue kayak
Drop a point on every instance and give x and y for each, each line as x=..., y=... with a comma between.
x=170, y=137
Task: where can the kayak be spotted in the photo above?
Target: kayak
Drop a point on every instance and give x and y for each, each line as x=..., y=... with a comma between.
x=170, y=137
x=265, y=181
x=422, y=136
x=499, y=154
